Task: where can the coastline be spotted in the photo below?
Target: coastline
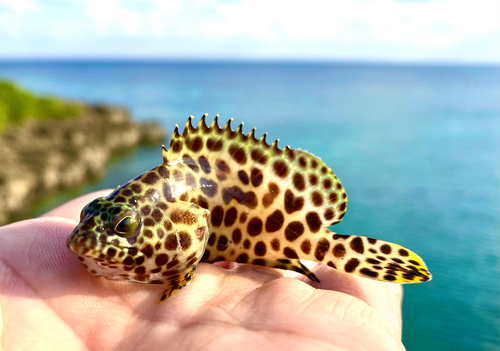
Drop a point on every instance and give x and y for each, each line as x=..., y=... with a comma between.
x=40, y=157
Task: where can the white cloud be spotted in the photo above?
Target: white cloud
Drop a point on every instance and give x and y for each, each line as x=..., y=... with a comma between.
x=134, y=18
x=427, y=23
x=11, y=19
x=107, y=14
x=20, y=6
x=262, y=28
x=167, y=7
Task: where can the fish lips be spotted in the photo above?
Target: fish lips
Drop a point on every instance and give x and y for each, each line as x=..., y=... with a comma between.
x=88, y=245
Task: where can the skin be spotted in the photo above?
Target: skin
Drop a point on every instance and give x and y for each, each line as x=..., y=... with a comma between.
x=48, y=301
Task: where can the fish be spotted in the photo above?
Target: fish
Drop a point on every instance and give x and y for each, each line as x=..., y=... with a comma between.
x=222, y=195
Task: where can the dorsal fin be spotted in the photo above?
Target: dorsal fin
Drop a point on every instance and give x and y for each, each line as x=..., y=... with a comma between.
x=301, y=176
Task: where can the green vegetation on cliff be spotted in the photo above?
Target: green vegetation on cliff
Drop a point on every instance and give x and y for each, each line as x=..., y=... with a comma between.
x=18, y=105
x=48, y=144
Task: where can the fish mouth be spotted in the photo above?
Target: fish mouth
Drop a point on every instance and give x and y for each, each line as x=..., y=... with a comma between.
x=99, y=264
x=89, y=247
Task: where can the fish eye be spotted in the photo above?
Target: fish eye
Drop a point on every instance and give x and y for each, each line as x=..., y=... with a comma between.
x=125, y=224
x=125, y=227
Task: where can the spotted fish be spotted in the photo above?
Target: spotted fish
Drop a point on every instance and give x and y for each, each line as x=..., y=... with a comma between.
x=221, y=195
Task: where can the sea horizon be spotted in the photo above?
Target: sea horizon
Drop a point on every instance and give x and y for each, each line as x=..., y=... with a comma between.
x=250, y=61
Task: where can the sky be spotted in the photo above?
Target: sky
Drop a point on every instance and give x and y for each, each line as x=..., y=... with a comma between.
x=359, y=30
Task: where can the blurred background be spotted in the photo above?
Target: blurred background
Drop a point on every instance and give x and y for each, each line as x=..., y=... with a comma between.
x=400, y=98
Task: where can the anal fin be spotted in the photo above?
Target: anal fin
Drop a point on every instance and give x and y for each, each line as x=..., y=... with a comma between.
x=287, y=264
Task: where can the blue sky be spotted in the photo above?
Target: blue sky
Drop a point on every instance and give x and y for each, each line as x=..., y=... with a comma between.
x=361, y=30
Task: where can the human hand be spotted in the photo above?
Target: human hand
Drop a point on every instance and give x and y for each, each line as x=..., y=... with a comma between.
x=49, y=301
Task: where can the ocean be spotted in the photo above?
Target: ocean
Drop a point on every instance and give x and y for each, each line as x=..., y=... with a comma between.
x=415, y=146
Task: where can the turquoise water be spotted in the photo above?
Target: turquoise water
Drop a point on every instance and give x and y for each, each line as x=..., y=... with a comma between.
x=416, y=147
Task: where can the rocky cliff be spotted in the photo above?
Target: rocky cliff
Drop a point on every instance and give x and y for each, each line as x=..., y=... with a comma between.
x=41, y=156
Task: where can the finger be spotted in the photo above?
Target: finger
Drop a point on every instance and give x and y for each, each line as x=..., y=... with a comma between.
x=34, y=261
x=384, y=297
x=72, y=209
x=257, y=297
x=35, y=250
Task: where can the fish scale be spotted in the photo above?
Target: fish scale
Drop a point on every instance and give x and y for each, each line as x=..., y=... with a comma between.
x=221, y=195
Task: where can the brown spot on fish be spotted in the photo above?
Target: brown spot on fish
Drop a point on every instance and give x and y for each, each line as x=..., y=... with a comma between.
x=204, y=164
x=150, y=178
x=313, y=221
x=351, y=265
x=270, y=196
x=222, y=166
x=185, y=240
x=321, y=249
x=171, y=242
x=248, y=199
x=327, y=183
x=386, y=249
x=197, y=144
x=184, y=217
x=214, y=144
x=256, y=177
x=293, y=203
x=243, y=176
x=299, y=182
x=208, y=187
x=280, y=168
x=260, y=249
x=329, y=214
x=258, y=156
x=230, y=217
x=243, y=258
x=222, y=243
x=275, y=221
x=294, y=230
x=317, y=199
x=238, y=154
x=290, y=253
x=254, y=227
x=339, y=250
x=236, y=236
x=313, y=179
x=161, y=259
x=306, y=246
x=216, y=216
x=275, y=244
x=357, y=245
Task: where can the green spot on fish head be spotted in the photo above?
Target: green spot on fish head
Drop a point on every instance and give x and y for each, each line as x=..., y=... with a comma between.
x=107, y=235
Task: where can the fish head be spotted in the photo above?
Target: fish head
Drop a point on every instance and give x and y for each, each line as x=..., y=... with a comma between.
x=106, y=239
x=152, y=245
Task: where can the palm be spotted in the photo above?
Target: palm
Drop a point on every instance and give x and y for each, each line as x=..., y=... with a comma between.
x=50, y=302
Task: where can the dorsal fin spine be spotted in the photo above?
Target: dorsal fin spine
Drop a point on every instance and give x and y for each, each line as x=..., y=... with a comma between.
x=214, y=126
x=227, y=126
x=215, y=123
x=262, y=139
x=251, y=134
x=202, y=124
x=274, y=146
x=188, y=127
x=164, y=153
x=239, y=130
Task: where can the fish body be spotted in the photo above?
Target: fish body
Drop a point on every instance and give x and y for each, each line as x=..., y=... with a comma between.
x=221, y=195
